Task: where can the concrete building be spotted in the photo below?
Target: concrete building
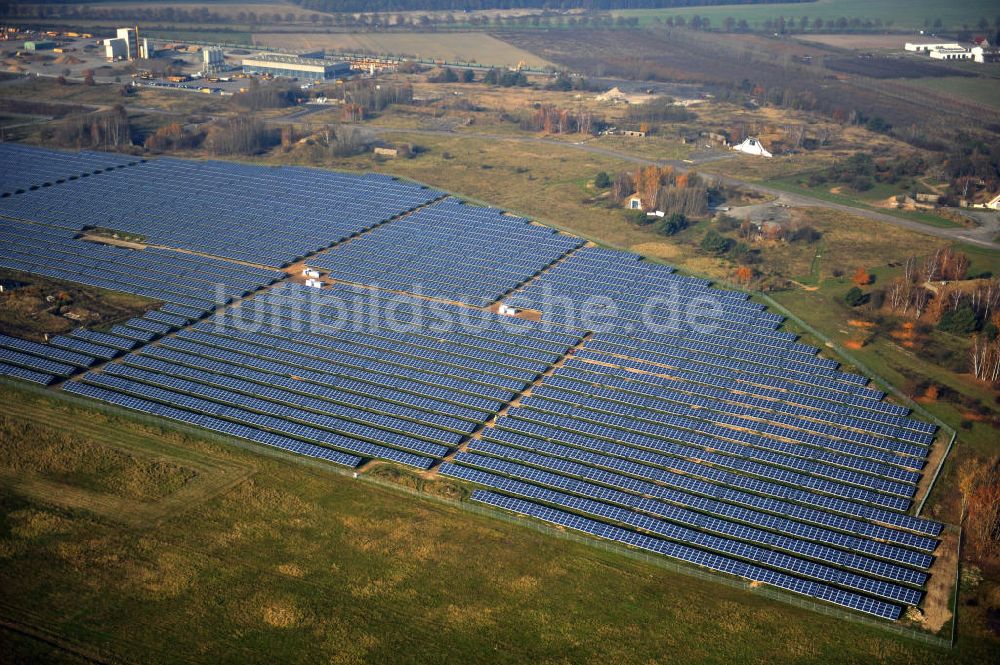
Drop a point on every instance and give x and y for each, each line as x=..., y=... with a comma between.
x=951, y=53
x=983, y=54
x=212, y=59
x=292, y=66
x=752, y=146
x=131, y=37
x=928, y=47
x=115, y=49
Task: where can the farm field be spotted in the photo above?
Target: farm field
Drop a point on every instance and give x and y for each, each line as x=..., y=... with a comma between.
x=980, y=90
x=856, y=41
x=253, y=553
x=457, y=46
x=895, y=14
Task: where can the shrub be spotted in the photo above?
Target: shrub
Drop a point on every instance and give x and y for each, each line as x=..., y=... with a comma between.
x=715, y=243
x=806, y=233
x=637, y=217
x=960, y=321
x=675, y=223
x=602, y=180
x=861, y=183
x=725, y=222
x=855, y=297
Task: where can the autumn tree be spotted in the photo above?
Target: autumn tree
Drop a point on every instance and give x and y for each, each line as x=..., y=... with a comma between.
x=861, y=277
x=979, y=484
x=744, y=275
x=984, y=357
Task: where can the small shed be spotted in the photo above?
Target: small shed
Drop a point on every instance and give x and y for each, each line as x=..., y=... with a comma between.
x=39, y=45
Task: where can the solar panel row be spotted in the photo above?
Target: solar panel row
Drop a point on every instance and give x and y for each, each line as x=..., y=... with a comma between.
x=27, y=168
x=630, y=492
x=450, y=251
x=660, y=518
x=715, y=562
x=268, y=216
x=214, y=424
x=196, y=284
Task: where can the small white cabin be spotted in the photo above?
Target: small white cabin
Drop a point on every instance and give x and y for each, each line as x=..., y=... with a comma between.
x=508, y=310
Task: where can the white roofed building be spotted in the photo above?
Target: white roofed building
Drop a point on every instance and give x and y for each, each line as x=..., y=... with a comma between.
x=752, y=146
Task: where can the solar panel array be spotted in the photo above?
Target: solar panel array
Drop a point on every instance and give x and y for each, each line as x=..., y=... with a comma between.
x=264, y=215
x=41, y=363
x=683, y=422
x=293, y=363
x=26, y=168
x=450, y=251
x=729, y=445
x=195, y=283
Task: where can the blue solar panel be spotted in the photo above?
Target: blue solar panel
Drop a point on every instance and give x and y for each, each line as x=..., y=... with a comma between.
x=722, y=564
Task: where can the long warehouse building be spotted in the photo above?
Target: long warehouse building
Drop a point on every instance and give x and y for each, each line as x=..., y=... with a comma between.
x=296, y=67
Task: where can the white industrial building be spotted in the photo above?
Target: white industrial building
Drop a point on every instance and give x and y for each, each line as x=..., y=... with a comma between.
x=927, y=48
x=115, y=49
x=981, y=52
x=752, y=146
x=951, y=53
x=212, y=57
x=131, y=37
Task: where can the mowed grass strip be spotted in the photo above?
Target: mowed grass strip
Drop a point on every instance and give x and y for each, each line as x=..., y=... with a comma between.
x=313, y=565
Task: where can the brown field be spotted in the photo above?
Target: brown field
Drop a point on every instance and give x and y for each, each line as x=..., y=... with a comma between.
x=456, y=46
x=857, y=42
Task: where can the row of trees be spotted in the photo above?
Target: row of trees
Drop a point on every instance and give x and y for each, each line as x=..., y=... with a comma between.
x=979, y=485
x=375, y=96
x=910, y=293
x=242, y=134
x=448, y=75
x=551, y=120
x=662, y=188
x=103, y=130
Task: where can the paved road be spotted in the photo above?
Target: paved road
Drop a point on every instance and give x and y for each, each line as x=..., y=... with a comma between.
x=982, y=236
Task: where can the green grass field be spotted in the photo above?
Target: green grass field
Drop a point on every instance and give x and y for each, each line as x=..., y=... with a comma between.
x=859, y=201
x=895, y=14
x=246, y=555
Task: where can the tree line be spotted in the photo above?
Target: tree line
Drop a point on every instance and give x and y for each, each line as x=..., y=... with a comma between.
x=477, y=5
